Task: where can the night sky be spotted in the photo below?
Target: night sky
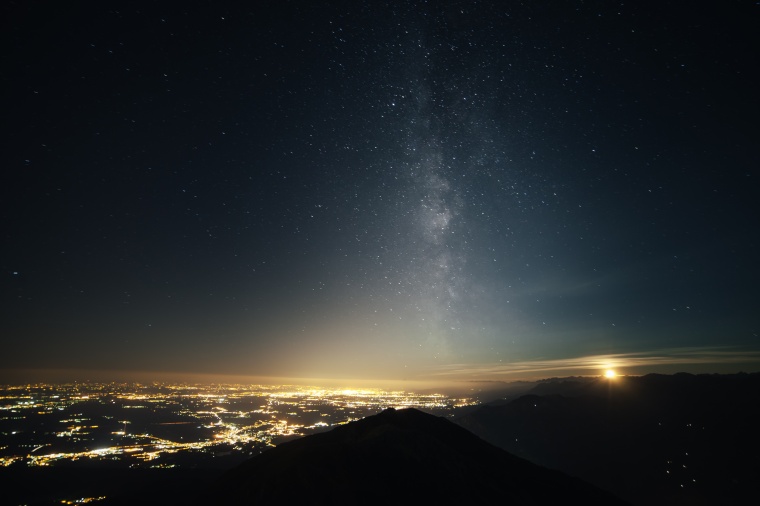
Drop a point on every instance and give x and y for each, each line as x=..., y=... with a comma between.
x=403, y=190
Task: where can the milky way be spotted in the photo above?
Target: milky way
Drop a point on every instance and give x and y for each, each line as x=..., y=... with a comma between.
x=420, y=190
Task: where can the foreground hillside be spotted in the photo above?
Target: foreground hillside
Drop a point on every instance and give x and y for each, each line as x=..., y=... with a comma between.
x=655, y=439
x=398, y=457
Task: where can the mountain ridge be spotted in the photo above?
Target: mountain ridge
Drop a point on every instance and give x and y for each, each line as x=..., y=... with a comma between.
x=654, y=439
x=398, y=457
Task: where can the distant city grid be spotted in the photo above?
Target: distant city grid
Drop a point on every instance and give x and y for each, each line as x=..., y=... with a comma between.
x=156, y=425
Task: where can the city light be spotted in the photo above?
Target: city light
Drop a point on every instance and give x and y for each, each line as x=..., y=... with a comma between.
x=145, y=425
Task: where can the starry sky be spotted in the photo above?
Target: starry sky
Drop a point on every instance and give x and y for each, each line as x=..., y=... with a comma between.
x=403, y=190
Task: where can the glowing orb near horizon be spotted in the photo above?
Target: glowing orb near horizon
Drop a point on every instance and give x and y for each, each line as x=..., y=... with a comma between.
x=609, y=373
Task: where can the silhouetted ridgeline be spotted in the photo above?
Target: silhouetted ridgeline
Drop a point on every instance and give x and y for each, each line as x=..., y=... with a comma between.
x=667, y=440
x=655, y=439
x=398, y=457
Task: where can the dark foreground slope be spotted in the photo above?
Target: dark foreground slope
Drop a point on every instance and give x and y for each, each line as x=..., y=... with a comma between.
x=398, y=457
x=655, y=439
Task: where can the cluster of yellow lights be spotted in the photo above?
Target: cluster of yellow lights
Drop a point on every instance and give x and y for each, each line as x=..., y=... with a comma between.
x=83, y=500
x=229, y=426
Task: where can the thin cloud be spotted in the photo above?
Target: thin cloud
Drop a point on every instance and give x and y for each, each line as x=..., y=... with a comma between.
x=594, y=363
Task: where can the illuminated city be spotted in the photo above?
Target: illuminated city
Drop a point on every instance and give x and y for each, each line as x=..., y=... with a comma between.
x=165, y=425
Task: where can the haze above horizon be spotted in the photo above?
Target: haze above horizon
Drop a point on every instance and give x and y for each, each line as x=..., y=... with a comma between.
x=422, y=192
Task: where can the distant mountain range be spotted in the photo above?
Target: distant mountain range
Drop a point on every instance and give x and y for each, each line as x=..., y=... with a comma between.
x=655, y=439
x=398, y=457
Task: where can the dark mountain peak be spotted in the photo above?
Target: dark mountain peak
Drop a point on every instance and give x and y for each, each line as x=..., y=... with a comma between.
x=398, y=457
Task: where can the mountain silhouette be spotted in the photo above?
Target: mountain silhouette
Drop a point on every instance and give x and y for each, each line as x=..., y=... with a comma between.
x=398, y=457
x=654, y=439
